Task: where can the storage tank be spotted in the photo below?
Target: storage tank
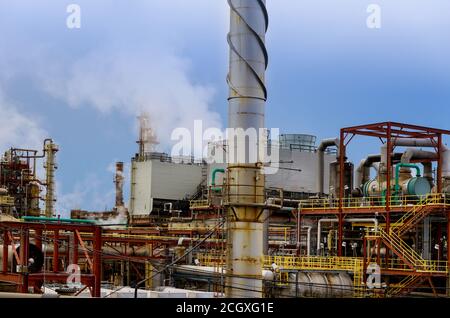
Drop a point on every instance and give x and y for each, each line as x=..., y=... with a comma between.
x=335, y=178
x=415, y=186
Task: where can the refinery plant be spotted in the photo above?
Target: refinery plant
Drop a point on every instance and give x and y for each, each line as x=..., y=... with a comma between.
x=320, y=227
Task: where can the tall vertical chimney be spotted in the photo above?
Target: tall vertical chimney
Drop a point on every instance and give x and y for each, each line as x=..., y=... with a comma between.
x=245, y=184
x=118, y=180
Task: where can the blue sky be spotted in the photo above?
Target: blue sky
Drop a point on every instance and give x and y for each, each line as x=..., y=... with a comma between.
x=84, y=87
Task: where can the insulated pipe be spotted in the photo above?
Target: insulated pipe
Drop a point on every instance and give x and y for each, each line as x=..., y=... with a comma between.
x=414, y=142
x=354, y=220
x=445, y=162
x=22, y=295
x=213, y=178
x=428, y=172
x=324, y=145
x=404, y=142
x=413, y=153
x=363, y=170
x=371, y=161
x=308, y=239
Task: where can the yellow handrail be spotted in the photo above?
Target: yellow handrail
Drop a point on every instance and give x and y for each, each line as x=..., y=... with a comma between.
x=374, y=202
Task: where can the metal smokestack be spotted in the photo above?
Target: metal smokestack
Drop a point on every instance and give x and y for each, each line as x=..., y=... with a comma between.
x=118, y=180
x=245, y=182
x=248, y=63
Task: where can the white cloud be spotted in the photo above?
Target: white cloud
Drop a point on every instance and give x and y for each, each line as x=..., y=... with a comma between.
x=88, y=192
x=17, y=129
x=127, y=81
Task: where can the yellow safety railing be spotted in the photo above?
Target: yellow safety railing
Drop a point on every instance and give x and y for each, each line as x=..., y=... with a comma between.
x=427, y=266
x=375, y=202
x=6, y=200
x=211, y=259
x=349, y=264
x=312, y=262
x=290, y=263
x=409, y=254
x=408, y=281
x=198, y=203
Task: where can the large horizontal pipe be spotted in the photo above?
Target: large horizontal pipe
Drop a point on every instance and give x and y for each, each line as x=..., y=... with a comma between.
x=371, y=161
x=212, y=271
x=417, y=154
x=21, y=295
x=406, y=142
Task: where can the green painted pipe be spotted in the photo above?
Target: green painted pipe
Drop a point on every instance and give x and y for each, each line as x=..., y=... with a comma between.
x=213, y=182
x=397, y=173
x=42, y=219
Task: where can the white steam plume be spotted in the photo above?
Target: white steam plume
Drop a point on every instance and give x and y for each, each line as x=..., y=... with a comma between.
x=131, y=82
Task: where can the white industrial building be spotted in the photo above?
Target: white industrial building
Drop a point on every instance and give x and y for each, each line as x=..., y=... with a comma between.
x=157, y=178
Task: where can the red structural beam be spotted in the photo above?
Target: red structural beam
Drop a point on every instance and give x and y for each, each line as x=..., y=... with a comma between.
x=27, y=230
x=406, y=130
x=387, y=131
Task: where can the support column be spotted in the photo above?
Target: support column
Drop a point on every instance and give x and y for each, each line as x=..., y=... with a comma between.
x=448, y=253
x=75, y=248
x=5, y=252
x=56, y=251
x=439, y=165
x=388, y=187
x=342, y=154
x=265, y=217
x=97, y=261
x=38, y=238
x=24, y=243
x=426, y=241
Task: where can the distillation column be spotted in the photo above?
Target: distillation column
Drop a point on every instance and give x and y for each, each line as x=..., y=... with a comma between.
x=245, y=179
x=50, y=150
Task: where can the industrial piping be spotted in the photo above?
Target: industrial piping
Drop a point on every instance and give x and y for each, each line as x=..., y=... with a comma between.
x=319, y=226
x=363, y=170
x=324, y=145
x=413, y=153
x=245, y=182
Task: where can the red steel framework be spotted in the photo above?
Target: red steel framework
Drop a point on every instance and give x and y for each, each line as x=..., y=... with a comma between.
x=386, y=132
x=90, y=241
x=23, y=232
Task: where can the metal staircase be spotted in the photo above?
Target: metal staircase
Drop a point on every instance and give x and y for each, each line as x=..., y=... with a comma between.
x=201, y=191
x=419, y=268
x=402, y=250
x=415, y=215
x=406, y=285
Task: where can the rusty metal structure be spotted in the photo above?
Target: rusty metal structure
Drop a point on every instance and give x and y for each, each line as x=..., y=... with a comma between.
x=20, y=185
x=382, y=236
x=29, y=268
x=400, y=240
